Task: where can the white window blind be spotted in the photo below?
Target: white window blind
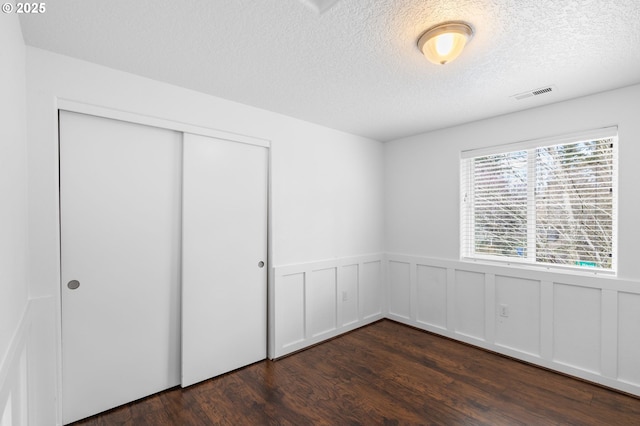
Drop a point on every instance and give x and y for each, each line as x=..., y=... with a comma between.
x=550, y=202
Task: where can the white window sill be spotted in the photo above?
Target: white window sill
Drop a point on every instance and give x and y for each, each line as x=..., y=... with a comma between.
x=558, y=269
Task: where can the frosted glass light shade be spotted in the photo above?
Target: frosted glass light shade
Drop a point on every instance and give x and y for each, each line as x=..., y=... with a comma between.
x=443, y=43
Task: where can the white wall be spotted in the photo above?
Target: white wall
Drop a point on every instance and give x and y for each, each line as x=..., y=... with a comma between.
x=13, y=219
x=581, y=325
x=326, y=186
x=422, y=185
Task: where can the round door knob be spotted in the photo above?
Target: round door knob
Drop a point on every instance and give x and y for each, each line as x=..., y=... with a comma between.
x=260, y=264
x=73, y=284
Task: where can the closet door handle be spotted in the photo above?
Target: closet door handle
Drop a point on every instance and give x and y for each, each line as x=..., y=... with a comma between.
x=73, y=284
x=260, y=264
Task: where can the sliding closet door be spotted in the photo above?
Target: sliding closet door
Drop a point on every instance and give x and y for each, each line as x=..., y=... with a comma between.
x=120, y=247
x=224, y=286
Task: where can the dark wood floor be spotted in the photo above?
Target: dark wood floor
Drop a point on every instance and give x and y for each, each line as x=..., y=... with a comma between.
x=383, y=374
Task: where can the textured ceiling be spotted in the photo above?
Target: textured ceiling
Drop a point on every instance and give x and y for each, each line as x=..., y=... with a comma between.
x=353, y=65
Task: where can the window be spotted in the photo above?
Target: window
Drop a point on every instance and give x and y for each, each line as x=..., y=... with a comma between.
x=550, y=202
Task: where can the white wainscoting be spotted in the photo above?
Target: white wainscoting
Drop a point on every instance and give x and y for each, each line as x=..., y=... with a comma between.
x=319, y=300
x=13, y=377
x=585, y=326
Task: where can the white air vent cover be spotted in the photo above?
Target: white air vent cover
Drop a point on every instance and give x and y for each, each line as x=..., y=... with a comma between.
x=535, y=92
x=319, y=6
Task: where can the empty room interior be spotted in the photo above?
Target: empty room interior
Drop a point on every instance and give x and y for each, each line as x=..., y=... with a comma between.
x=319, y=212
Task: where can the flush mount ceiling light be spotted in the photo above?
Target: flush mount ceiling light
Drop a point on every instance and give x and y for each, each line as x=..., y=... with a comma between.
x=444, y=42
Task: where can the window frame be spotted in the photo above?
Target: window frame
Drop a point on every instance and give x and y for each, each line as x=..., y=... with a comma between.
x=467, y=225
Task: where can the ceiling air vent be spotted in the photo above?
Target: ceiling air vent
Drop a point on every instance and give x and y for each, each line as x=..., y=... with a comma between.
x=536, y=92
x=319, y=6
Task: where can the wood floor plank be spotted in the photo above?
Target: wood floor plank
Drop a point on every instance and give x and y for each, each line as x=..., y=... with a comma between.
x=427, y=380
x=383, y=374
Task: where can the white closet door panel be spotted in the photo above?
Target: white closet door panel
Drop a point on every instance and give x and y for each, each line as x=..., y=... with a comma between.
x=224, y=296
x=120, y=238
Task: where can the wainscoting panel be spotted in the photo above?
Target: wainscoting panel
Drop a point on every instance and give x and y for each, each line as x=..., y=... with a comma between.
x=348, y=293
x=432, y=296
x=321, y=302
x=577, y=319
x=629, y=338
x=519, y=326
x=584, y=325
x=289, y=306
x=469, y=303
x=372, y=295
x=13, y=376
x=400, y=289
x=316, y=301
